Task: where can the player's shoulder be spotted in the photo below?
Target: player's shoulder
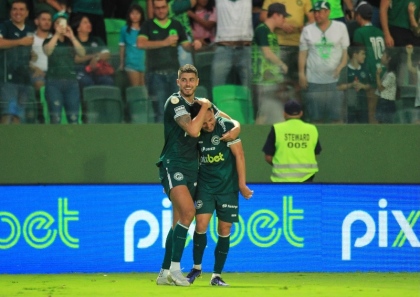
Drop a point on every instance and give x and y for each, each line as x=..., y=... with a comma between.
x=224, y=124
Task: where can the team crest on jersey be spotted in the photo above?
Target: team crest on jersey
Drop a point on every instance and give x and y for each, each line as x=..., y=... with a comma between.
x=215, y=140
x=174, y=100
x=178, y=176
x=198, y=204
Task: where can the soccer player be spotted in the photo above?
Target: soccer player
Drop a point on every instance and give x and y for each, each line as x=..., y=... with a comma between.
x=178, y=167
x=221, y=176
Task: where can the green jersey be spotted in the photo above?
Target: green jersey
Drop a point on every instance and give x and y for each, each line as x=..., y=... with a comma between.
x=164, y=58
x=178, y=11
x=217, y=174
x=372, y=38
x=61, y=63
x=398, y=15
x=180, y=149
x=264, y=71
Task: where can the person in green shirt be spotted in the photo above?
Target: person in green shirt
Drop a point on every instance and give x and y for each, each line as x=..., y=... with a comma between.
x=220, y=179
x=61, y=86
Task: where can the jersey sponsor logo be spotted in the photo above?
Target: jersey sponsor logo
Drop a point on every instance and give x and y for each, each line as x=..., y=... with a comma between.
x=229, y=206
x=215, y=140
x=198, y=204
x=174, y=100
x=178, y=176
x=212, y=159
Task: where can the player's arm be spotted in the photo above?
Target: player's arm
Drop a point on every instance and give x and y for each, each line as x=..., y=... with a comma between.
x=233, y=133
x=193, y=126
x=238, y=152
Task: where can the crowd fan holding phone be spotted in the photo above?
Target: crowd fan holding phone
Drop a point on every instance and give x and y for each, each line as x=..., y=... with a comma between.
x=270, y=68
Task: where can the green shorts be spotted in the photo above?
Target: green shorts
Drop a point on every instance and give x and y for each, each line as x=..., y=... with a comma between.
x=172, y=177
x=226, y=205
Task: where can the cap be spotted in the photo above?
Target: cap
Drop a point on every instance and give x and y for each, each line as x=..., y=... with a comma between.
x=277, y=8
x=60, y=14
x=365, y=10
x=321, y=5
x=292, y=107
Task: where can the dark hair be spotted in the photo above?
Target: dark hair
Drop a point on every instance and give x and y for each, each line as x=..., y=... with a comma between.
x=42, y=12
x=19, y=1
x=75, y=22
x=394, y=61
x=133, y=7
x=355, y=50
x=195, y=109
x=187, y=68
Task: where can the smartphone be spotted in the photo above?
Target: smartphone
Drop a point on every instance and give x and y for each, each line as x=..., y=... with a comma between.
x=63, y=23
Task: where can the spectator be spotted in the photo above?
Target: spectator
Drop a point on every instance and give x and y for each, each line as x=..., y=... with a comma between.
x=355, y=81
x=93, y=10
x=39, y=62
x=61, y=87
x=16, y=38
x=372, y=38
x=337, y=10
x=178, y=11
x=323, y=53
x=414, y=24
x=268, y=67
x=132, y=58
x=289, y=34
x=415, y=70
x=90, y=67
x=233, y=38
x=203, y=21
x=291, y=147
x=160, y=37
x=52, y=6
x=396, y=23
x=387, y=87
x=375, y=12
x=256, y=11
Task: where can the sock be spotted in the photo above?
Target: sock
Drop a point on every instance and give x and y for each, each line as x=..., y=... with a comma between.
x=220, y=253
x=200, y=243
x=178, y=242
x=168, y=250
x=214, y=275
x=175, y=266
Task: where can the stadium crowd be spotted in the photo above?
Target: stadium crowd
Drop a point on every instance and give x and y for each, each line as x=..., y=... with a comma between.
x=347, y=61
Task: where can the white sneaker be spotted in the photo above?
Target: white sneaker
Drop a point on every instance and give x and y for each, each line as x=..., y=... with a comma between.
x=178, y=278
x=162, y=279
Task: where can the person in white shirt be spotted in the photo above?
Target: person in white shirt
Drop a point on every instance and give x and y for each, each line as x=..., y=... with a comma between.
x=39, y=61
x=322, y=56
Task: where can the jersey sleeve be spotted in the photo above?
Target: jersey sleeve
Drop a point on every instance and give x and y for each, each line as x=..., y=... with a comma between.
x=176, y=107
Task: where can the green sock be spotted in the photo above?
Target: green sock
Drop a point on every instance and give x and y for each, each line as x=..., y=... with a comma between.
x=168, y=250
x=178, y=242
x=220, y=253
x=200, y=243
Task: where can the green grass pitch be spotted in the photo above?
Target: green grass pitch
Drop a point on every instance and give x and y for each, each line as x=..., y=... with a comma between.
x=241, y=285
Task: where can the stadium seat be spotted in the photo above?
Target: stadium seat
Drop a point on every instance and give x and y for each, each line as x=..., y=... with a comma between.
x=235, y=100
x=112, y=28
x=139, y=106
x=103, y=104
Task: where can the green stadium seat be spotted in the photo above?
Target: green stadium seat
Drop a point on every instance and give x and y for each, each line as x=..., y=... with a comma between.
x=103, y=104
x=235, y=100
x=139, y=106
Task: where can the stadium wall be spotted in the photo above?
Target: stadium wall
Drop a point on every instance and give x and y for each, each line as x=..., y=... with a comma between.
x=102, y=154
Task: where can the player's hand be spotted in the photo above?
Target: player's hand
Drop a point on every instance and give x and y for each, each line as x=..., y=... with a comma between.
x=246, y=192
x=204, y=101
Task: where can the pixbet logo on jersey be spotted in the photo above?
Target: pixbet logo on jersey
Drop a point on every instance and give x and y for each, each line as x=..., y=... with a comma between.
x=406, y=226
